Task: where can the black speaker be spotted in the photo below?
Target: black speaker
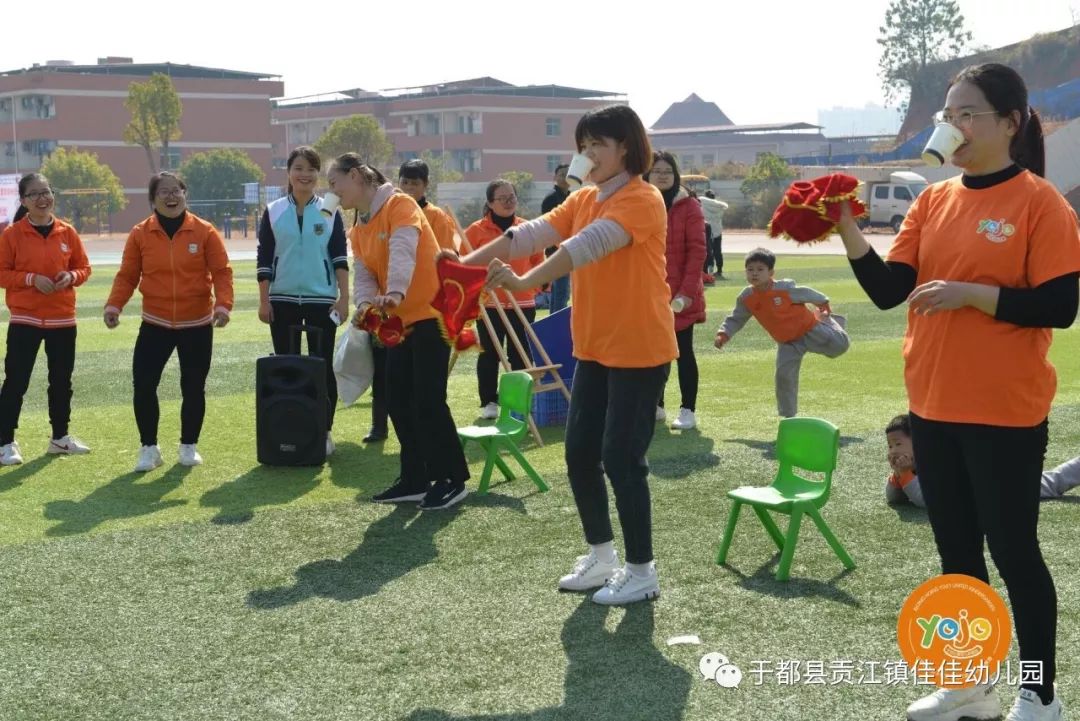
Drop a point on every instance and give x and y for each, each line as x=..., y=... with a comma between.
x=290, y=410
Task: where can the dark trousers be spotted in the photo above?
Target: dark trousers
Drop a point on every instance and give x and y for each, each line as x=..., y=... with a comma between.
x=416, y=375
x=487, y=365
x=688, y=370
x=286, y=342
x=708, y=250
x=718, y=252
x=379, y=411
x=982, y=482
x=153, y=348
x=609, y=428
x=23, y=342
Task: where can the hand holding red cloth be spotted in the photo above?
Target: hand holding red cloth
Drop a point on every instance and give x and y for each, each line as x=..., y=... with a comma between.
x=461, y=291
x=811, y=209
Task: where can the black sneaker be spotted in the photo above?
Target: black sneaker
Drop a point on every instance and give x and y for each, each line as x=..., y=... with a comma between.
x=443, y=495
x=375, y=435
x=401, y=492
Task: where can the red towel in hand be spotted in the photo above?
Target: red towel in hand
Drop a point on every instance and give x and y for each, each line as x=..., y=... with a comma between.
x=461, y=291
x=811, y=209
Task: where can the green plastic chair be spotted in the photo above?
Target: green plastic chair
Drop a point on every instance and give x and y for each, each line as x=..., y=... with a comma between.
x=515, y=396
x=807, y=443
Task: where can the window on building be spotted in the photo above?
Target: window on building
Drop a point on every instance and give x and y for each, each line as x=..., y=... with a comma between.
x=172, y=160
x=554, y=127
x=685, y=163
x=466, y=161
x=553, y=161
x=431, y=125
x=279, y=163
x=708, y=160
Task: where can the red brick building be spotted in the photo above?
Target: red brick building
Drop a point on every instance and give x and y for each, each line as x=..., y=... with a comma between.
x=82, y=106
x=483, y=126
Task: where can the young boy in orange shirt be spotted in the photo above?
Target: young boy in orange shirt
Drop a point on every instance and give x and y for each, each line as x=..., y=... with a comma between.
x=780, y=307
x=902, y=485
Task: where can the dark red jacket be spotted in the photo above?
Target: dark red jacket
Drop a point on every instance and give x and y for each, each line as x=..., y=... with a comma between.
x=686, y=258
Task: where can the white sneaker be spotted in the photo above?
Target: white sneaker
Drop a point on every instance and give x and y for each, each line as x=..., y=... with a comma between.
x=589, y=572
x=330, y=447
x=661, y=414
x=149, y=459
x=69, y=445
x=952, y=704
x=627, y=587
x=1029, y=707
x=10, y=455
x=490, y=412
x=685, y=421
x=189, y=455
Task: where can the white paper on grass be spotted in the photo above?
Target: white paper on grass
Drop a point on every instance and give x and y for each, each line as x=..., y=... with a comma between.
x=353, y=364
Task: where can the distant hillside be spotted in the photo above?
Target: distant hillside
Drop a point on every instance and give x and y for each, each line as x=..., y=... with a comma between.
x=1044, y=61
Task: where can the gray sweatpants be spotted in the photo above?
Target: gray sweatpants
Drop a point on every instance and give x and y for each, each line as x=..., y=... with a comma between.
x=827, y=337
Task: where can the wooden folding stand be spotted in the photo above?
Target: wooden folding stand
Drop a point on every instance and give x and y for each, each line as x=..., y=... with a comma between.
x=536, y=371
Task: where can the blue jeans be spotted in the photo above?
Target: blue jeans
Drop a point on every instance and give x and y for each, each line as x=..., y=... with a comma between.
x=560, y=294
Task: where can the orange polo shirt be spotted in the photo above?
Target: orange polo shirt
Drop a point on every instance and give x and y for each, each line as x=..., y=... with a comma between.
x=963, y=366
x=441, y=225
x=784, y=319
x=483, y=232
x=621, y=317
x=371, y=246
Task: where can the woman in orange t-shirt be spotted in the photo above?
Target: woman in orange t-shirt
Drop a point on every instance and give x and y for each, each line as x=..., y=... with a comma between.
x=988, y=263
x=611, y=240
x=394, y=265
x=499, y=216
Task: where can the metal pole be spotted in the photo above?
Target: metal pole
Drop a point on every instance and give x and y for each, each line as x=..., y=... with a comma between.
x=14, y=134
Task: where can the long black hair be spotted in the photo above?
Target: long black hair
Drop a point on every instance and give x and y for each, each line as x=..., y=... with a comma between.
x=1006, y=92
x=24, y=184
x=670, y=193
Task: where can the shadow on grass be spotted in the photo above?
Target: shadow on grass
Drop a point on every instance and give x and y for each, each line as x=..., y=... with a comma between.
x=261, y=486
x=768, y=448
x=13, y=478
x=910, y=513
x=682, y=453
x=121, y=497
x=764, y=581
x=620, y=674
x=401, y=541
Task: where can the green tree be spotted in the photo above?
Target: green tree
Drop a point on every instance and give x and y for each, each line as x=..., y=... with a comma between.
x=219, y=174
x=917, y=35
x=764, y=186
x=359, y=134
x=155, y=117
x=87, y=189
x=438, y=172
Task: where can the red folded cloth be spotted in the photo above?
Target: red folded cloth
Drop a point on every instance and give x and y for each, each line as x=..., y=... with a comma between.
x=811, y=209
x=461, y=291
x=389, y=330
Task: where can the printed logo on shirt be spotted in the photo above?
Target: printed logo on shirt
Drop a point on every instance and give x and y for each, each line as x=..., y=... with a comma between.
x=320, y=228
x=777, y=300
x=64, y=248
x=193, y=248
x=996, y=231
x=382, y=236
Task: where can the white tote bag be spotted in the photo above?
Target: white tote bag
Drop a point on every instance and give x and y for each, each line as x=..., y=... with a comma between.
x=353, y=365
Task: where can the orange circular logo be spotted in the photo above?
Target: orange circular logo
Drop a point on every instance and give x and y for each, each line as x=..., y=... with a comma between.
x=954, y=631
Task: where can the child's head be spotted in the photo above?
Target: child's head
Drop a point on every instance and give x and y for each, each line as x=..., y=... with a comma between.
x=759, y=267
x=413, y=178
x=898, y=435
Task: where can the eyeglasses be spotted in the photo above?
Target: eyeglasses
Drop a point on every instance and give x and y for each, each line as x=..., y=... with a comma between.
x=663, y=173
x=505, y=199
x=38, y=195
x=170, y=192
x=962, y=120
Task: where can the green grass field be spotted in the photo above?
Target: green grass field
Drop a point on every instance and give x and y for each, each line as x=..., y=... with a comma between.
x=233, y=591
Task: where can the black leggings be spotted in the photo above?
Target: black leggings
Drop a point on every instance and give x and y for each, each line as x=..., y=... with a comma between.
x=153, y=348
x=608, y=431
x=487, y=365
x=23, y=342
x=982, y=482
x=313, y=314
x=688, y=370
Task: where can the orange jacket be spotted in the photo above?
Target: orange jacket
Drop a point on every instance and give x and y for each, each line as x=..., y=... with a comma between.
x=24, y=254
x=483, y=232
x=175, y=275
x=441, y=225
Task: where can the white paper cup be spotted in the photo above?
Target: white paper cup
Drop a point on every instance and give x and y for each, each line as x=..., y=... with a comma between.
x=678, y=303
x=330, y=203
x=580, y=166
x=942, y=144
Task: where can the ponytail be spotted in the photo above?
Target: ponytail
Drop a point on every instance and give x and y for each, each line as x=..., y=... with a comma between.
x=21, y=213
x=1028, y=148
